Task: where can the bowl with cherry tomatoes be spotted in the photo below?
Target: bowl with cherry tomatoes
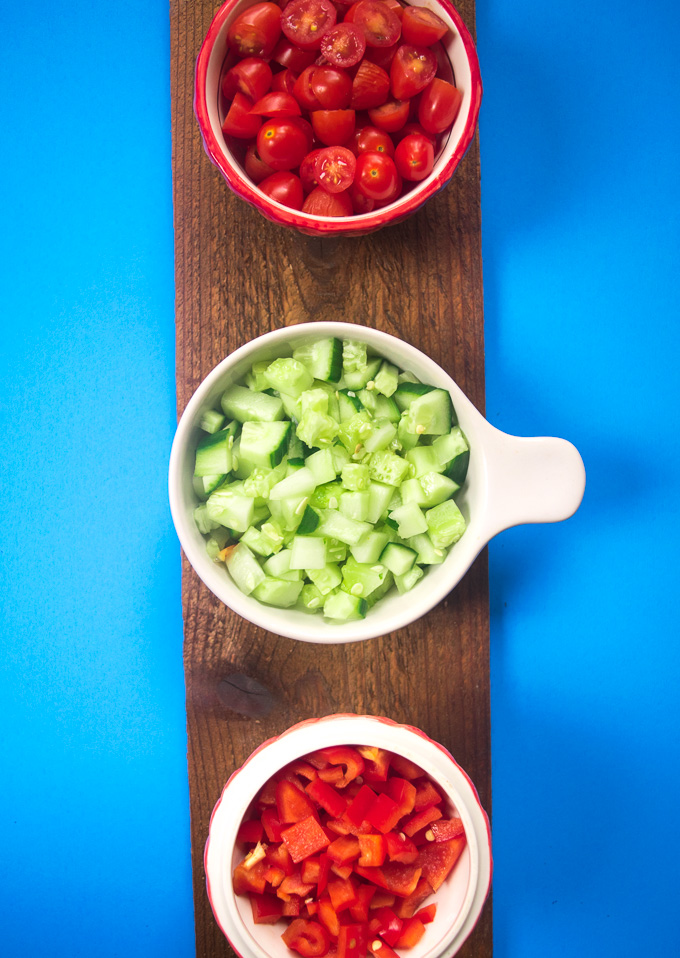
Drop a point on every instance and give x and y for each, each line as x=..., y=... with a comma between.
x=349, y=835
x=337, y=118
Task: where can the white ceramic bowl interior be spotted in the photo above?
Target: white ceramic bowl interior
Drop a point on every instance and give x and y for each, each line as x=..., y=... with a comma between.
x=510, y=481
x=460, y=898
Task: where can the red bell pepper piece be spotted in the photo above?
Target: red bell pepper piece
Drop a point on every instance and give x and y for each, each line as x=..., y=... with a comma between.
x=400, y=849
x=250, y=833
x=407, y=907
x=383, y=814
x=311, y=869
x=292, y=804
x=267, y=909
x=411, y=934
x=305, y=838
x=302, y=770
x=373, y=850
x=274, y=876
x=381, y=949
x=358, y=808
x=292, y=907
x=342, y=871
x=399, y=879
x=365, y=893
x=426, y=795
x=444, y=829
x=387, y=924
x=250, y=879
x=343, y=755
x=382, y=899
x=294, y=885
x=406, y=768
x=340, y=826
x=376, y=762
x=308, y=938
x=279, y=855
x=420, y=820
x=332, y=774
x=403, y=793
x=324, y=869
x=311, y=908
x=427, y=914
x=327, y=797
x=329, y=917
x=342, y=892
x=438, y=858
x=344, y=849
x=271, y=825
x=267, y=796
x=353, y=941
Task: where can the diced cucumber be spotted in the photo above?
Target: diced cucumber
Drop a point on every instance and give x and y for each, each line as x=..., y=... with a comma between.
x=323, y=358
x=288, y=376
x=327, y=496
x=406, y=582
x=348, y=404
x=410, y=520
x=427, y=554
x=370, y=548
x=264, y=443
x=307, y=553
x=244, y=568
x=387, y=380
x=386, y=467
x=386, y=409
x=407, y=440
x=214, y=452
x=255, y=378
x=207, y=484
x=381, y=590
x=340, y=527
x=326, y=579
x=230, y=508
x=292, y=407
x=355, y=477
x=321, y=466
x=430, y=414
x=361, y=579
x=295, y=446
x=437, y=488
x=217, y=541
x=288, y=512
x=383, y=434
x=424, y=459
x=311, y=598
x=309, y=521
x=380, y=496
x=367, y=399
x=357, y=379
x=278, y=565
x=340, y=457
x=246, y=405
x=279, y=592
x=266, y=540
x=408, y=391
x=336, y=551
x=241, y=467
x=292, y=465
x=203, y=521
x=317, y=429
x=301, y=483
x=340, y=605
x=446, y=524
x=354, y=355
x=412, y=491
x=259, y=483
x=398, y=558
x=211, y=420
x=454, y=454
x=353, y=432
x=354, y=505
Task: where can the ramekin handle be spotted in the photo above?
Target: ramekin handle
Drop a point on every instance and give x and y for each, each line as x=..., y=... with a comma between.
x=537, y=479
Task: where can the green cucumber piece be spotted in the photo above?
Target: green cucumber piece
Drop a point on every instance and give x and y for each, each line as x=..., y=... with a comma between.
x=279, y=592
x=380, y=496
x=288, y=512
x=246, y=405
x=354, y=505
x=387, y=380
x=309, y=522
x=398, y=558
x=323, y=358
x=340, y=457
x=344, y=607
x=300, y=483
x=264, y=443
x=445, y=523
x=317, y=429
x=353, y=432
x=336, y=551
x=307, y=553
x=362, y=578
x=244, y=568
x=321, y=466
x=437, y=488
x=454, y=454
x=203, y=521
x=408, y=391
x=384, y=433
x=326, y=579
x=370, y=548
x=266, y=540
x=214, y=452
x=337, y=526
x=254, y=379
x=424, y=459
x=211, y=421
x=406, y=582
x=357, y=379
x=288, y=376
x=387, y=467
x=386, y=409
x=355, y=477
x=327, y=496
x=354, y=355
x=228, y=506
x=259, y=483
x=410, y=520
x=311, y=598
x=430, y=414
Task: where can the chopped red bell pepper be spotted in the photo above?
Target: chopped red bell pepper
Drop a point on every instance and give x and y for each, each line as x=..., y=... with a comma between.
x=250, y=832
x=308, y=938
x=381, y=949
x=341, y=827
x=344, y=849
x=393, y=877
x=324, y=870
x=373, y=850
x=407, y=907
x=400, y=849
x=387, y=924
x=311, y=869
x=343, y=755
x=327, y=797
x=438, y=858
x=267, y=909
x=342, y=871
x=359, y=910
x=382, y=899
x=411, y=934
x=279, y=855
x=303, y=770
x=353, y=941
x=305, y=838
x=444, y=830
x=332, y=775
x=342, y=892
x=267, y=796
x=274, y=875
x=383, y=814
x=426, y=795
x=403, y=793
x=292, y=906
x=271, y=825
x=406, y=768
x=358, y=808
x=294, y=885
x=376, y=762
x=250, y=879
x=420, y=820
x=427, y=914
x=292, y=803
x=311, y=908
x=329, y=917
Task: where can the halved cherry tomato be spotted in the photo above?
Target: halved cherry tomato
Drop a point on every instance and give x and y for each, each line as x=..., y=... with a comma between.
x=255, y=32
x=335, y=167
x=287, y=54
x=284, y=187
x=344, y=45
x=239, y=121
x=382, y=56
x=391, y=116
x=376, y=175
x=421, y=27
x=380, y=24
x=321, y=203
x=309, y=183
x=284, y=81
x=277, y=104
x=306, y=21
x=303, y=92
x=257, y=170
x=252, y=77
x=411, y=71
x=370, y=87
x=369, y=139
x=332, y=87
x=414, y=158
x=439, y=106
x=333, y=127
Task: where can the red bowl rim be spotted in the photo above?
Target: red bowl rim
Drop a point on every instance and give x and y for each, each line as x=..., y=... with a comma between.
x=364, y=222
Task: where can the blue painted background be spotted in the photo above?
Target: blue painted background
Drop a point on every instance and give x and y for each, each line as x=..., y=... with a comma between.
x=580, y=139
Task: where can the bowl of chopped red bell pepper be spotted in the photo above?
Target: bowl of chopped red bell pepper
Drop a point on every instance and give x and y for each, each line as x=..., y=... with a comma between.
x=348, y=836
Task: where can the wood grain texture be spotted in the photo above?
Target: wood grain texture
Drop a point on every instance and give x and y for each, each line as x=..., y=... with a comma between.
x=238, y=276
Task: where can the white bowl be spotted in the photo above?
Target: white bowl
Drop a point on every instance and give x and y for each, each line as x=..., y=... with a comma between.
x=510, y=480
x=459, y=900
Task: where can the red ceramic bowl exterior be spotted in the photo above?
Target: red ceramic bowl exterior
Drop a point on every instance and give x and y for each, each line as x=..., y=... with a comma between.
x=327, y=225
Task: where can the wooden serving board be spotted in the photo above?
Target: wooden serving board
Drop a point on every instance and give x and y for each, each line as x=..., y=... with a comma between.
x=238, y=276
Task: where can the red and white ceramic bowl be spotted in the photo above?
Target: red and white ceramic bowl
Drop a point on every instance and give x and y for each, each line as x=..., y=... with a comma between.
x=462, y=57
x=459, y=900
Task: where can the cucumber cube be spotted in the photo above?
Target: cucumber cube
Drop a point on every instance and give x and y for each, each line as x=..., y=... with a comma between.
x=370, y=548
x=387, y=380
x=388, y=468
x=244, y=568
x=326, y=579
x=214, y=453
x=406, y=581
x=246, y=405
x=211, y=420
x=321, y=466
x=322, y=358
x=355, y=476
x=354, y=505
x=384, y=432
x=288, y=376
x=361, y=579
x=279, y=592
x=311, y=598
x=231, y=509
x=308, y=553
x=445, y=523
x=340, y=605
x=264, y=443
x=410, y=520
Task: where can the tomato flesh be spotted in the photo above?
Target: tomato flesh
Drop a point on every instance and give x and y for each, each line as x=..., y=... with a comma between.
x=332, y=87
x=380, y=24
x=305, y=22
x=255, y=32
x=411, y=71
x=252, y=77
x=335, y=168
x=344, y=45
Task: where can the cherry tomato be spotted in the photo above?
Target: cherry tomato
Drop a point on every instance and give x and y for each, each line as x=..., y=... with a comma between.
x=344, y=45
x=284, y=187
x=332, y=87
x=286, y=54
x=380, y=24
x=333, y=127
x=421, y=27
x=303, y=92
x=321, y=203
x=394, y=194
x=254, y=33
x=284, y=81
x=282, y=143
x=370, y=87
x=411, y=71
x=383, y=56
x=391, y=116
x=335, y=167
x=369, y=139
x=306, y=21
x=414, y=157
x=251, y=77
x=239, y=121
x=306, y=127
x=439, y=106
x=414, y=128
x=360, y=203
x=277, y=104
x=395, y=7
x=308, y=171
x=376, y=175
x=255, y=166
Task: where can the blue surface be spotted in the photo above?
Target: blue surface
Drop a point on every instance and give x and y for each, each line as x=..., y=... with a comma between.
x=580, y=139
